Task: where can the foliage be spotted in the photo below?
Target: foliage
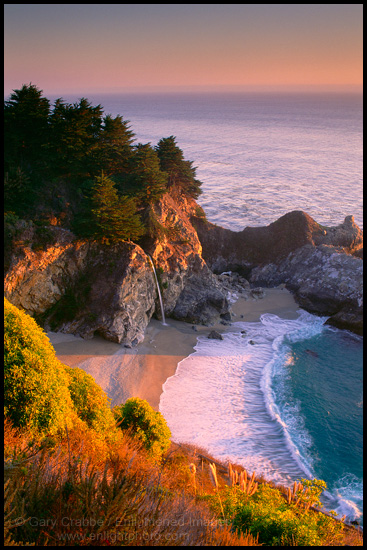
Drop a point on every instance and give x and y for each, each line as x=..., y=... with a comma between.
x=268, y=513
x=115, y=147
x=36, y=390
x=54, y=157
x=115, y=218
x=311, y=496
x=180, y=172
x=26, y=127
x=74, y=135
x=16, y=185
x=146, y=180
x=90, y=401
x=82, y=492
x=40, y=392
x=147, y=425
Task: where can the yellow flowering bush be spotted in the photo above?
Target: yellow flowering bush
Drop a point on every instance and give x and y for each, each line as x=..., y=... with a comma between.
x=36, y=392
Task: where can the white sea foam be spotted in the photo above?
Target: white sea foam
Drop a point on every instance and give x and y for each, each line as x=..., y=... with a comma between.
x=221, y=399
x=348, y=495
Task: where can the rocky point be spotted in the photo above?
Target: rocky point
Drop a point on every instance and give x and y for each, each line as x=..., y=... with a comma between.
x=88, y=287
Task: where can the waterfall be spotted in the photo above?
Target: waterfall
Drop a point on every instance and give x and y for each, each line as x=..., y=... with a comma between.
x=159, y=290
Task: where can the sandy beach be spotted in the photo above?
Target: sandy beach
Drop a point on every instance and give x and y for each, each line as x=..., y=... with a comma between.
x=141, y=371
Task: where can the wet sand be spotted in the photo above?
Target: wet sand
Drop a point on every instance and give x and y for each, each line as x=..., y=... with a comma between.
x=141, y=371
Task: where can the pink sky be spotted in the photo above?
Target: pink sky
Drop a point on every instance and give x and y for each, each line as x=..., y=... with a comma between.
x=122, y=47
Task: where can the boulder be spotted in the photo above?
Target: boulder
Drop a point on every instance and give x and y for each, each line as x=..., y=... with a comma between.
x=214, y=335
x=201, y=301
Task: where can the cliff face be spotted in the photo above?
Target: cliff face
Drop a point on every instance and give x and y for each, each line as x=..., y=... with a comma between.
x=321, y=265
x=87, y=287
x=324, y=281
x=255, y=246
x=190, y=290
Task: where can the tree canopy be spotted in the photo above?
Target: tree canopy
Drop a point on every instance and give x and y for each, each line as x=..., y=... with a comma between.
x=115, y=218
x=72, y=163
x=180, y=171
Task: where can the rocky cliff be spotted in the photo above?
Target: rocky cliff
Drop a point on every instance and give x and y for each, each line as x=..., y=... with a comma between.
x=253, y=246
x=321, y=265
x=86, y=287
x=324, y=281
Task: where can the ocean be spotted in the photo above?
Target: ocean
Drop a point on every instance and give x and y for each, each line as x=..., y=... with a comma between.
x=259, y=156
x=289, y=406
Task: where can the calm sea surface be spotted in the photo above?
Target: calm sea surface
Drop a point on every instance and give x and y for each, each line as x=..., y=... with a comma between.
x=291, y=405
x=259, y=156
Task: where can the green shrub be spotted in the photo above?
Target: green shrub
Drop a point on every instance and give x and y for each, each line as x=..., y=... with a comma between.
x=268, y=514
x=146, y=424
x=36, y=390
x=90, y=401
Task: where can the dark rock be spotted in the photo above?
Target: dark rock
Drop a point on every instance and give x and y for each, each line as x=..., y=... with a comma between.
x=226, y=316
x=348, y=320
x=324, y=281
x=257, y=293
x=311, y=352
x=224, y=249
x=201, y=301
x=214, y=335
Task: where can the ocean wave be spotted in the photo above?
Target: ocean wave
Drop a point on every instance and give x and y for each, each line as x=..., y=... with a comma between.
x=220, y=398
x=348, y=494
x=233, y=398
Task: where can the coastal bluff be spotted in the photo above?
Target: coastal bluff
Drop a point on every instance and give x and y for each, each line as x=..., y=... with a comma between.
x=322, y=266
x=91, y=287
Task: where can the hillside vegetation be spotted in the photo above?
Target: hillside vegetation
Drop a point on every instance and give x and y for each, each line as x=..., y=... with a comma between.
x=73, y=166
x=80, y=474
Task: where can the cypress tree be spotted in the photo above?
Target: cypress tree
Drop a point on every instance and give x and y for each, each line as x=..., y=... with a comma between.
x=180, y=172
x=116, y=218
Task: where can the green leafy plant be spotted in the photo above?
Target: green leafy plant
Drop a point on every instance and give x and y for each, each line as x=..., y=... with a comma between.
x=280, y=521
x=36, y=390
x=115, y=218
x=90, y=401
x=146, y=424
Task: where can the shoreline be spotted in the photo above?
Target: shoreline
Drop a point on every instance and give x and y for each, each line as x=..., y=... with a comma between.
x=142, y=371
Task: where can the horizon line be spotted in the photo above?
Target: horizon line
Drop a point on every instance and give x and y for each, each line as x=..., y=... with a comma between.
x=310, y=88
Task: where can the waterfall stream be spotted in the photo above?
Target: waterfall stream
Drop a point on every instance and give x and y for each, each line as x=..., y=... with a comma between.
x=159, y=290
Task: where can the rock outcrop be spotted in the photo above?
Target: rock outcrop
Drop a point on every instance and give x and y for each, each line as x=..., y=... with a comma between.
x=321, y=265
x=324, y=281
x=85, y=288
x=224, y=249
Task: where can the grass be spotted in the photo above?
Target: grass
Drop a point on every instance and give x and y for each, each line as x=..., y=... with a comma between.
x=81, y=490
